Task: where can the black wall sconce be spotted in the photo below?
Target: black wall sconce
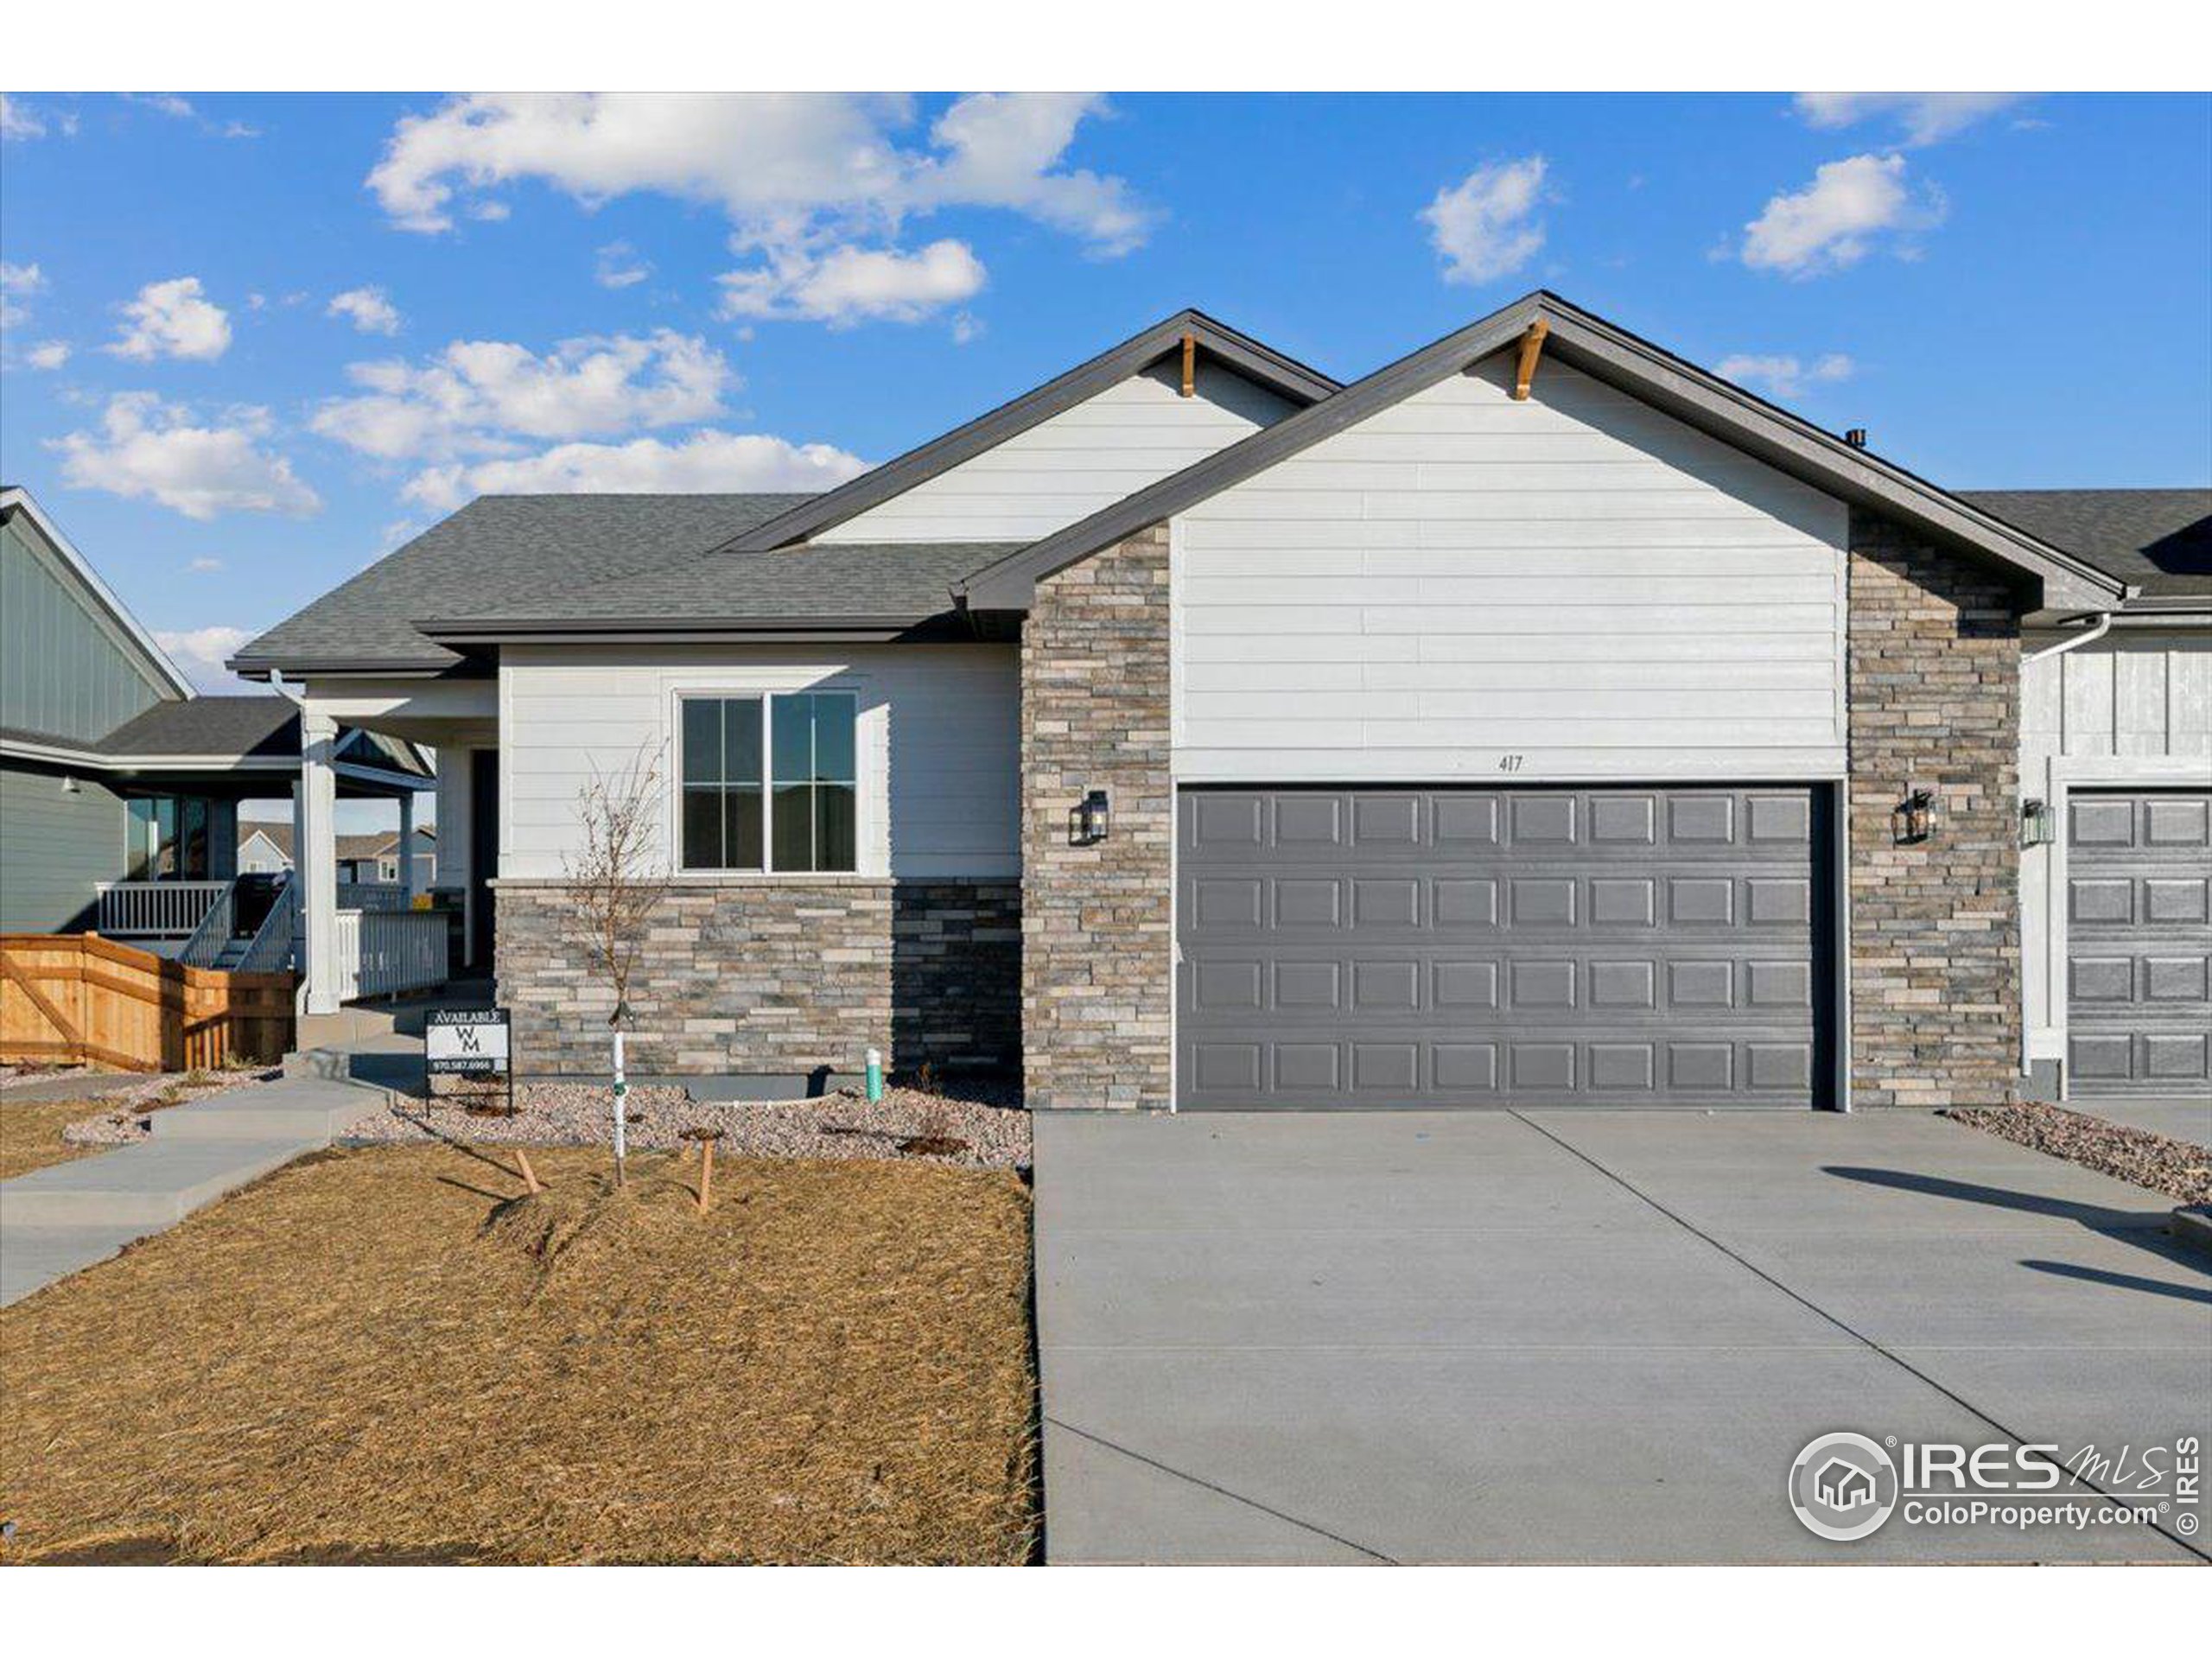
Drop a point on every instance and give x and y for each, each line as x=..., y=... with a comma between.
x=1913, y=820
x=2036, y=828
x=1090, y=820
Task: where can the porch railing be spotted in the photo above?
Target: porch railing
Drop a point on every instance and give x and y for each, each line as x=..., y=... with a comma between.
x=270, y=951
x=155, y=909
x=213, y=932
x=384, y=952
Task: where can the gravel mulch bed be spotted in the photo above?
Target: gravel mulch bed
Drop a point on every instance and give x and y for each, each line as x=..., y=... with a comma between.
x=981, y=1127
x=126, y=1114
x=2180, y=1169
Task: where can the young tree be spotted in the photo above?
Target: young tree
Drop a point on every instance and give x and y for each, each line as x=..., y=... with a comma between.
x=619, y=881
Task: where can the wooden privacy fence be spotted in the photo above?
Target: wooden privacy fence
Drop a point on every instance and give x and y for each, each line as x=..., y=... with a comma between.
x=77, y=997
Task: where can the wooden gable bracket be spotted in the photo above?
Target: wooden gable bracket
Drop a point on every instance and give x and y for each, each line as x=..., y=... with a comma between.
x=1531, y=348
x=1190, y=365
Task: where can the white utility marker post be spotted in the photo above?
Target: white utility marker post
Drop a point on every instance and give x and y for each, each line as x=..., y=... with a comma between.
x=315, y=842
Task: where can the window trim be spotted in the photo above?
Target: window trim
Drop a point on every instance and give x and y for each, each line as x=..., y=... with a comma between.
x=766, y=695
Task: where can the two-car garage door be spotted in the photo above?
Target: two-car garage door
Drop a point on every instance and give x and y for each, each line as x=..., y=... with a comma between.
x=1450, y=947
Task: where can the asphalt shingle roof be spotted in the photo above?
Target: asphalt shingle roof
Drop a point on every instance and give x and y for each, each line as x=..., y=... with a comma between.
x=2161, y=539
x=495, y=549
x=266, y=726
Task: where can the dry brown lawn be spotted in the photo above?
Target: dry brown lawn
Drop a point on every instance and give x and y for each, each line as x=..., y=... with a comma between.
x=390, y=1354
x=30, y=1134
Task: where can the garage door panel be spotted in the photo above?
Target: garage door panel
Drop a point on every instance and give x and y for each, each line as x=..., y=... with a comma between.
x=2139, y=942
x=1471, y=947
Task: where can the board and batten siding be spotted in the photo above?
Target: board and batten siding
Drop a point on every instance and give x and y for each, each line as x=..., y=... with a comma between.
x=66, y=670
x=1574, y=587
x=2131, y=708
x=938, y=741
x=58, y=836
x=1069, y=466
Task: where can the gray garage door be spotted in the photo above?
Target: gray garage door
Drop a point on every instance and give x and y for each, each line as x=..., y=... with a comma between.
x=2138, y=940
x=1480, y=947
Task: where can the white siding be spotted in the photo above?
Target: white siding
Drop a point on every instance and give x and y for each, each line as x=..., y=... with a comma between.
x=937, y=740
x=1065, y=468
x=2133, y=707
x=1577, y=580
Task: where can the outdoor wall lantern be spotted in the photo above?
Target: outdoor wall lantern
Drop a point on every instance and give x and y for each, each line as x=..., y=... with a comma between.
x=1913, y=820
x=2036, y=827
x=1090, y=820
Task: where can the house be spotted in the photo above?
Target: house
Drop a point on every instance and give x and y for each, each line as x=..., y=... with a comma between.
x=363, y=859
x=1538, y=719
x=119, y=784
x=1843, y=1486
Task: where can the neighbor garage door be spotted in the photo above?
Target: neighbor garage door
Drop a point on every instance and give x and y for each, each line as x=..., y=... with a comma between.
x=1471, y=947
x=2139, y=943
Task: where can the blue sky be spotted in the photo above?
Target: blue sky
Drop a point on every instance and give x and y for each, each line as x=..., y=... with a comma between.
x=2008, y=292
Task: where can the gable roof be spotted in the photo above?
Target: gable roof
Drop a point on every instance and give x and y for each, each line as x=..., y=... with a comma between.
x=2158, y=540
x=1261, y=364
x=14, y=498
x=480, y=559
x=1608, y=354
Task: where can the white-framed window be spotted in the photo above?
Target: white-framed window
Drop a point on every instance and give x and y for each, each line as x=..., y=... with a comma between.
x=769, y=782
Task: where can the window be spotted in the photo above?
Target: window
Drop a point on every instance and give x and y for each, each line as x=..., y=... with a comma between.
x=769, y=783
x=168, y=839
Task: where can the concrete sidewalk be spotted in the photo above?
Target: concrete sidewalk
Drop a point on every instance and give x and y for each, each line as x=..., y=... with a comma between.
x=56, y=1221
x=1577, y=1336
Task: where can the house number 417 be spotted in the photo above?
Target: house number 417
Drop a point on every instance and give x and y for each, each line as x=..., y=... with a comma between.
x=1510, y=762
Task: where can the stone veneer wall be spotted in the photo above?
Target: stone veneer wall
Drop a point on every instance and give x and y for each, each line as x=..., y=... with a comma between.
x=775, y=977
x=1097, y=940
x=1934, y=687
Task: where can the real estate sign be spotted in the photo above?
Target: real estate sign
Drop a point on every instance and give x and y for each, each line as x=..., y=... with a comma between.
x=471, y=1042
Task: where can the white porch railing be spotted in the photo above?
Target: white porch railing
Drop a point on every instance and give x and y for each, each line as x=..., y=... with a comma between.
x=155, y=909
x=371, y=895
x=383, y=952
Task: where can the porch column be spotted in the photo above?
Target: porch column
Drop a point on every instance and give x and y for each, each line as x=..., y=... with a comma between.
x=315, y=857
x=407, y=849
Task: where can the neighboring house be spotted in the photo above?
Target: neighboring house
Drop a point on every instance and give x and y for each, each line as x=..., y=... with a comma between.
x=1540, y=718
x=119, y=785
x=267, y=848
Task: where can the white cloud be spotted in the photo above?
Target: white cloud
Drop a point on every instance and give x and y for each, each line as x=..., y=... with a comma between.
x=369, y=309
x=479, y=397
x=18, y=284
x=203, y=567
x=173, y=318
x=705, y=461
x=1925, y=118
x=1782, y=376
x=147, y=448
x=48, y=354
x=618, y=266
x=19, y=120
x=201, y=652
x=1833, y=222
x=167, y=104
x=850, y=285
x=1483, y=225
x=805, y=178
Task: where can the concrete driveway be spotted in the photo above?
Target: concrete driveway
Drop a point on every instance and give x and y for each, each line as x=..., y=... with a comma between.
x=1578, y=1337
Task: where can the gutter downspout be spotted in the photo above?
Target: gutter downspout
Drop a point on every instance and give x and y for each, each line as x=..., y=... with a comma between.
x=2101, y=626
x=2097, y=630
